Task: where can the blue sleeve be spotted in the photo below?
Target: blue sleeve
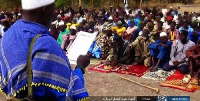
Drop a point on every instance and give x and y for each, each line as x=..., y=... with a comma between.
x=80, y=74
x=190, y=32
x=169, y=44
x=154, y=45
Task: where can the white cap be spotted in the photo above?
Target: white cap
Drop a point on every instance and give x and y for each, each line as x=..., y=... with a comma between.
x=73, y=27
x=59, y=16
x=119, y=22
x=33, y=4
x=61, y=23
x=140, y=33
x=110, y=18
x=163, y=34
x=19, y=14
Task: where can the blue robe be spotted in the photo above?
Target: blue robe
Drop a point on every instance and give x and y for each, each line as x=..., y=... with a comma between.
x=52, y=73
x=160, y=52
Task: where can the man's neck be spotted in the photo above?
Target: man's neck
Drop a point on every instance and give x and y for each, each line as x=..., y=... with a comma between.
x=184, y=41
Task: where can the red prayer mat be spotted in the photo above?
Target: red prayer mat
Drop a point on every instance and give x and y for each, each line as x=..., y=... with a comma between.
x=137, y=70
x=100, y=68
x=175, y=81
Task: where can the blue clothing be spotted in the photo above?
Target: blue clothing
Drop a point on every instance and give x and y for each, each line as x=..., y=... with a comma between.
x=160, y=52
x=135, y=34
x=52, y=73
x=191, y=37
x=95, y=52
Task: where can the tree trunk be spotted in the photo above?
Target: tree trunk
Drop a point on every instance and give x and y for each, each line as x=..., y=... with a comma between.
x=80, y=3
x=140, y=4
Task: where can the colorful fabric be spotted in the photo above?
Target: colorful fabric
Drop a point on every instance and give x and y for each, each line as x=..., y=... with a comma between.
x=159, y=75
x=60, y=39
x=137, y=70
x=160, y=52
x=175, y=81
x=119, y=31
x=50, y=65
x=173, y=35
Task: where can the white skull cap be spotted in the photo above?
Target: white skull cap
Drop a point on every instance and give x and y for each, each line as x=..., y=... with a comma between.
x=34, y=4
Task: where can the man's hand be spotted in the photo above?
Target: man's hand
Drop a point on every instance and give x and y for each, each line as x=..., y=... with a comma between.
x=83, y=61
x=176, y=63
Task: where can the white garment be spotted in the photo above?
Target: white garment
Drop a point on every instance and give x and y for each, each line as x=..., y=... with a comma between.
x=164, y=11
x=1, y=30
x=178, y=51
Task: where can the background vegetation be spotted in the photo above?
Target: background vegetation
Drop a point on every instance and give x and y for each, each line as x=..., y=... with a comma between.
x=10, y=4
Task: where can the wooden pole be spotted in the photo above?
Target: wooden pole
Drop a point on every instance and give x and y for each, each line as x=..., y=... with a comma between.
x=146, y=86
x=140, y=4
x=80, y=3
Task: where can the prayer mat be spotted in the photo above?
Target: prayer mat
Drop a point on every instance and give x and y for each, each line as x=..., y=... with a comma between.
x=159, y=75
x=175, y=81
x=100, y=68
x=137, y=70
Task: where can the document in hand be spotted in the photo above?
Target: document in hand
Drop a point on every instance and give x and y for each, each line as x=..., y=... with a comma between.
x=80, y=45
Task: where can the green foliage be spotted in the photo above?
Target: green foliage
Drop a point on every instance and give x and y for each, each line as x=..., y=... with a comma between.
x=62, y=3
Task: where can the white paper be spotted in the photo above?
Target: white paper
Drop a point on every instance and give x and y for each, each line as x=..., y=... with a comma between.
x=80, y=46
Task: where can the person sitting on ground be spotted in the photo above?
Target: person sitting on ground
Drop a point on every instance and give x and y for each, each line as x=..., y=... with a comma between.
x=173, y=32
x=140, y=45
x=137, y=31
x=119, y=29
x=178, y=51
x=129, y=31
x=69, y=39
x=194, y=60
x=63, y=31
x=156, y=32
x=121, y=53
x=160, y=52
x=191, y=35
x=90, y=26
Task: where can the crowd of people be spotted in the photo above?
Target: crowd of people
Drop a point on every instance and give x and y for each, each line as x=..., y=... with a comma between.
x=156, y=38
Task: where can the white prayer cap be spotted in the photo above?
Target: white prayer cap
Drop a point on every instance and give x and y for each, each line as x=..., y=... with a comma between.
x=110, y=18
x=61, y=23
x=140, y=33
x=163, y=34
x=59, y=16
x=119, y=22
x=170, y=7
x=73, y=27
x=53, y=23
x=19, y=14
x=33, y=4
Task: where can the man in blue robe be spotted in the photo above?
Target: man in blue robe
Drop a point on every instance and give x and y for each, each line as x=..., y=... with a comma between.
x=160, y=52
x=53, y=79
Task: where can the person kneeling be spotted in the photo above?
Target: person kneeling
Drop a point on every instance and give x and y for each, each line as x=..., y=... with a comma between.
x=160, y=52
x=194, y=60
x=121, y=53
x=140, y=45
x=178, y=51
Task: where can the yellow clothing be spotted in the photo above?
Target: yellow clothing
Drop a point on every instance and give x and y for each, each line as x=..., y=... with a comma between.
x=68, y=26
x=119, y=31
x=71, y=24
